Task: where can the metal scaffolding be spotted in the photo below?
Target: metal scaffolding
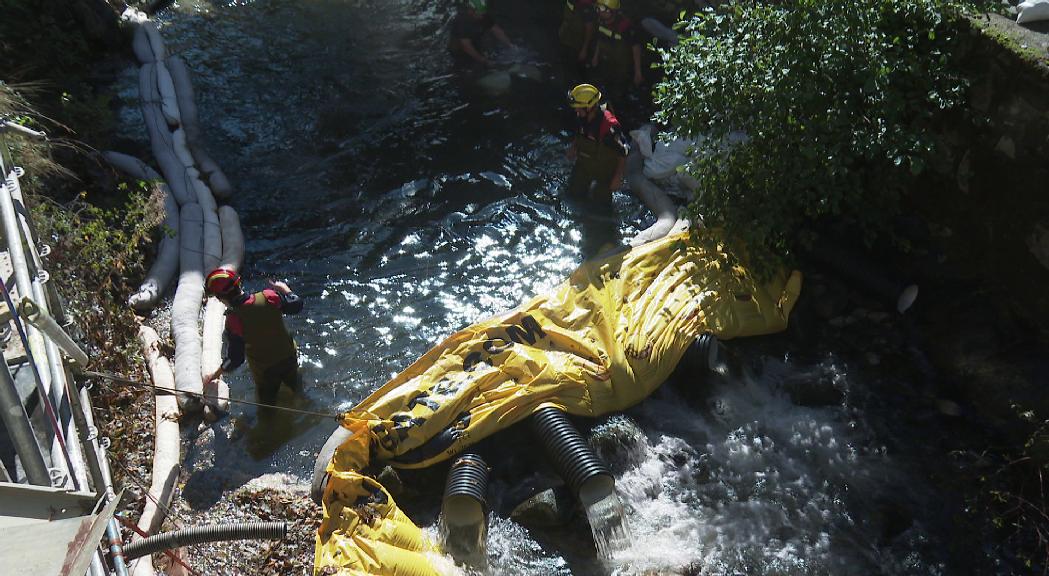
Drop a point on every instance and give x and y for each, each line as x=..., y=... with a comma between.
x=55, y=484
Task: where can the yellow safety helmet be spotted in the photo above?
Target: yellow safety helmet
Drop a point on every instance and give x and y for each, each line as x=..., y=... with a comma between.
x=584, y=96
x=610, y=4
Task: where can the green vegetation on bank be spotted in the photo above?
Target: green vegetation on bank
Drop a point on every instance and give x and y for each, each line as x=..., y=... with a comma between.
x=808, y=110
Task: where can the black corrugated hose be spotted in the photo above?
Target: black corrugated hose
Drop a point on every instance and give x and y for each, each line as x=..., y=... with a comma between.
x=468, y=477
x=202, y=534
x=572, y=457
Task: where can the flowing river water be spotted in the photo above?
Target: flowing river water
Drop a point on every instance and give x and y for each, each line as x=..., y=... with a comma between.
x=404, y=203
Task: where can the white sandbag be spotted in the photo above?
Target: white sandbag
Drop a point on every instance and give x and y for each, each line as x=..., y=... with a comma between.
x=165, y=266
x=1032, y=11
x=160, y=137
x=166, y=441
x=209, y=169
x=688, y=182
x=140, y=45
x=232, y=239
x=642, y=138
x=526, y=71
x=495, y=83
x=185, y=310
x=160, y=142
x=181, y=148
x=679, y=146
x=217, y=180
x=132, y=166
x=133, y=15
x=666, y=158
x=212, y=228
x=156, y=42
x=662, y=165
x=653, y=197
x=168, y=101
x=187, y=106
x=659, y=30
x=147, y=83
x=216, y=394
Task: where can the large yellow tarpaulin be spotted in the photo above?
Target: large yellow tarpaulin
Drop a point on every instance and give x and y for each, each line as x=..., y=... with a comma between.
x=600, y=342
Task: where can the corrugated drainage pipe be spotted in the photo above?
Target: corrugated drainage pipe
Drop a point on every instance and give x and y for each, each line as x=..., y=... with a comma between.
x=464, y=509
x=709, y=354
x=586, y=474
x=202, y=534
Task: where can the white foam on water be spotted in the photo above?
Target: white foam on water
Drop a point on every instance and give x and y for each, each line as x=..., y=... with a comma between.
x=752, y=485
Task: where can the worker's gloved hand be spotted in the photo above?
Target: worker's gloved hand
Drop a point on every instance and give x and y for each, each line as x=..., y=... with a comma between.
x=280, y=286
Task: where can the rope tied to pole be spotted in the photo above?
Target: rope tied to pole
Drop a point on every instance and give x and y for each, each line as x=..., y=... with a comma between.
x=123, y=380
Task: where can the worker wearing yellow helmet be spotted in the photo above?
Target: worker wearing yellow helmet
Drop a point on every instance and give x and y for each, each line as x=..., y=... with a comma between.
x=617, y=54
x=599, y=150
x=468, y=30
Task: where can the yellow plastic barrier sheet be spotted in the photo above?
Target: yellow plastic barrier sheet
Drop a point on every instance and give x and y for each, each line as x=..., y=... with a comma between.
x=600, y=342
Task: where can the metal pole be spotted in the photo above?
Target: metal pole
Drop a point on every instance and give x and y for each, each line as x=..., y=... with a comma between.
x=52, y=372
x=37, y=316
x=116, y=549
x=17, y=422
x=15, y=249
x=90, y=450
x=95, y=446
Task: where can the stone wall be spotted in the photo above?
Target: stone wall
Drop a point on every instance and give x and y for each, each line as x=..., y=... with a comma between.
x=988, y=209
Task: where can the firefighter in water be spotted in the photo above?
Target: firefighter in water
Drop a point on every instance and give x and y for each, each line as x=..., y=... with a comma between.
x=577, y=37
x=617, y=55
x=255, y=330
x=599, y=150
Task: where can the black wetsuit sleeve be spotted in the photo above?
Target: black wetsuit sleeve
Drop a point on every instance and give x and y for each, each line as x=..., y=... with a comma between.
x=234, y=355
x=291, y=303
x=616, y=140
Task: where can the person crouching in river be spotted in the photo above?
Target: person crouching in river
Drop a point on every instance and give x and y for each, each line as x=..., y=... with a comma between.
x=255, y=330
x=599, y=150
x=468, y=29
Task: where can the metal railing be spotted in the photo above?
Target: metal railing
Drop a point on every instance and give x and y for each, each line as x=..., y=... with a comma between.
x=56, y=442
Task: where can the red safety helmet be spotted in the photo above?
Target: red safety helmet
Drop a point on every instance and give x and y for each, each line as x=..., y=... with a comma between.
x=222, y=281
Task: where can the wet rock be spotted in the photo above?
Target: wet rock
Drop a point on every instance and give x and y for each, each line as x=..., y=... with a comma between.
x=948, y=408
x=813, y=390
x=391, y=481
x=1007, y=147
x=549, y=508
x=620, y=442
x=894, y=519
x=1038, y=244
x=1038, y=447
x=829, y=300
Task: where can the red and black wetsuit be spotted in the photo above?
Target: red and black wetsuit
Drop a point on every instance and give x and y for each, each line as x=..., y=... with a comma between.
x=255, y=330
x=600, y=145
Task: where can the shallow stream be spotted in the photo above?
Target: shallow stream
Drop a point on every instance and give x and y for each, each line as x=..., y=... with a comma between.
x=404, y=203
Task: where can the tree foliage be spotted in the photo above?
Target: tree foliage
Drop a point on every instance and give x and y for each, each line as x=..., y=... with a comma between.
x=810, y=109
x=97, y=253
